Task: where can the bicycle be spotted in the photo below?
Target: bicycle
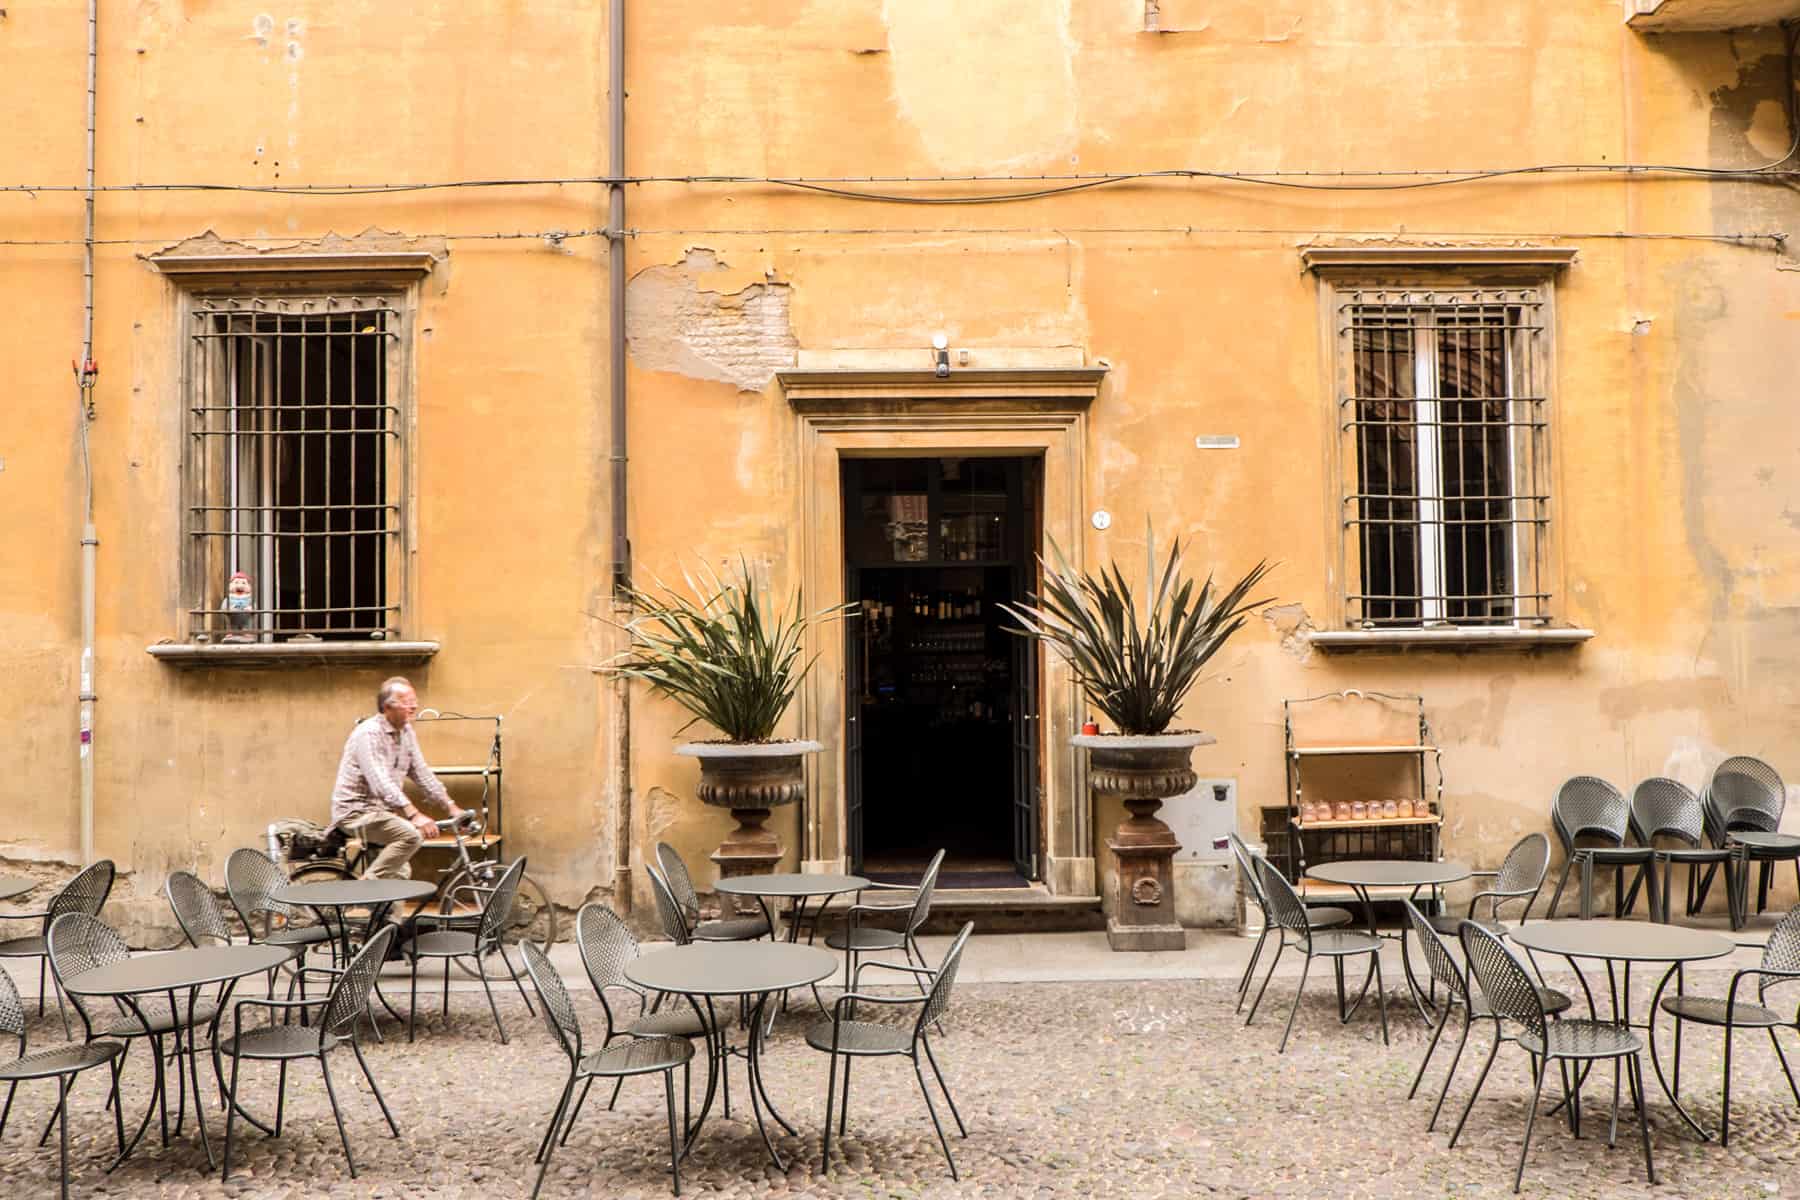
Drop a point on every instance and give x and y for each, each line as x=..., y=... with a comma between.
x=312, y=853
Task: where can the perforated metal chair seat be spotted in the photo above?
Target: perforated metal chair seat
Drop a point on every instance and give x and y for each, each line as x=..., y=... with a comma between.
x=1335, y=943
x=1327, y=916
x=23, y=947
x=1611, y=855
x=1554, y=1002
x=1695, y=854
x=1584, y=1039
x=278, y=1042
x=1708, y=1010
x=298, y=935
x=862, y=939
x=680, y=1021
x=639, y=1056
x=861, y=1038
x=156, y=1012
x=60, y=1060
x=440, y=943
x=731, y=929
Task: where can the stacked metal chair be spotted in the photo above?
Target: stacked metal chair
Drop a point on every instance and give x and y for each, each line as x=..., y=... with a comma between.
x=1746, y=793
x=1667, y=809
x=1587, y=806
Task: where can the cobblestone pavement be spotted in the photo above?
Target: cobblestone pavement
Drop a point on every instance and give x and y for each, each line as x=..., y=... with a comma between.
x=1140, y=1090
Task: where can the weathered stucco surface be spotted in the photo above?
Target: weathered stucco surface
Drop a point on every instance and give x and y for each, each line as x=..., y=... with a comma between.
x=1677, y=523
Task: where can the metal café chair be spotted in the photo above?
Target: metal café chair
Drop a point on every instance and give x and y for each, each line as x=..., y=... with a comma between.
x=86, y=893
x=607, y=945
x=1334, y=944
x=1666, y=808
x=1318, y=916
x=251, y=878
x=431, y=940
x=342, y=1009
x=850, y=1039
x=1456, y=985
x=63, y=1063
x=1520, y=877
x=633, y=1056
x=1587, y=806
x=681, y=887
x=79, y=942
x=1780, y=965
x=1747, y=794
x=1510, y=994
x=856, y=939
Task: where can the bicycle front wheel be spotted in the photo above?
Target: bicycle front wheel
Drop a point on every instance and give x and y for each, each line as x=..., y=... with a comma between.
x=533, y=919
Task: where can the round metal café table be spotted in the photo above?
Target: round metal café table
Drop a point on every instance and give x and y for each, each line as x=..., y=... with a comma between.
x=168, y=973
x=1361, y=874
x=796, y=887
x=15, y=885
x=1628, y=942
x=330, y=898
x=703, y=971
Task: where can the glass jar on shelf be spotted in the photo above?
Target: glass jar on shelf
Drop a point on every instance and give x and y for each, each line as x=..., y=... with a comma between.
x=1403, y=807
x=1390, y=809
x=1359, y=811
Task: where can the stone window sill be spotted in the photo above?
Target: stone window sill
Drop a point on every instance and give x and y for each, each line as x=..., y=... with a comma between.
x=1448, y=639
x=207, y=655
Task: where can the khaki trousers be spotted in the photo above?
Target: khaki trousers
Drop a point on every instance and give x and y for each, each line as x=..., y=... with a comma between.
x=397, y=837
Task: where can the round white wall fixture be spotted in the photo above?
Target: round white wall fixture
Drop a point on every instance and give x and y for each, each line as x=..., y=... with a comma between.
x=1102, y=519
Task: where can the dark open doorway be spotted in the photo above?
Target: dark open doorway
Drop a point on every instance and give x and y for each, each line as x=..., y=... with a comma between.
x=942, y=706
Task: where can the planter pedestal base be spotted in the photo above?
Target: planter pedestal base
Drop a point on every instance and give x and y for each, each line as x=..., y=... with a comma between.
x=747, y=850
x=1144, y=906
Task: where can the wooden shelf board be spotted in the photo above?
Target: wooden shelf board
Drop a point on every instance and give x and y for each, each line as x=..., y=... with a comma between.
x=449, y=843
x=465, y=770
x=1368, y=748
x=1366, y=823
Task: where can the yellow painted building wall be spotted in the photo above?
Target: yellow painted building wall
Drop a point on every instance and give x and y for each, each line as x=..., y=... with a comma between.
x=1672, y=434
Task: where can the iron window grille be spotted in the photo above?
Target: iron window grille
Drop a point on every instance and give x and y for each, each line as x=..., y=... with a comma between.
x=1443, y=416
x=295, y=468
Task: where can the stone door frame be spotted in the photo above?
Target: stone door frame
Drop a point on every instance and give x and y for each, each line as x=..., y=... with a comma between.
x=1026, y=413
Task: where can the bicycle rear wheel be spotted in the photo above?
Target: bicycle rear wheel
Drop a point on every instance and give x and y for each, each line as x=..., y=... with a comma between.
x=534, y=919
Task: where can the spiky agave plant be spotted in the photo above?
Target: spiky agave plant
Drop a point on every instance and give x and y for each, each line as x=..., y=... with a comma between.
x=1136, y=669
x=720, y=650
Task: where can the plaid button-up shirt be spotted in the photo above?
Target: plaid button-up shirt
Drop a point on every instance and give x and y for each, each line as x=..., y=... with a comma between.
x=377, y=759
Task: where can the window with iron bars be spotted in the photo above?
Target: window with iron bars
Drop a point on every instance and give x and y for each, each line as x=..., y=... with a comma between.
x=295, y=467
x=1443, y=414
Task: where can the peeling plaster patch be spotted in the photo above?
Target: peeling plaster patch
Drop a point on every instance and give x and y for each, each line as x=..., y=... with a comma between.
x=1026, y=114
x=673, y=323
x=1292, y=624
x=663, y=813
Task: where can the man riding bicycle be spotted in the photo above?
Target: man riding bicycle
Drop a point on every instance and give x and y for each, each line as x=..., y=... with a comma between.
x=368, y=801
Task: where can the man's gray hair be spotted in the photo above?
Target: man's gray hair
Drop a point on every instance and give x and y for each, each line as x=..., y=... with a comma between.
x=386, y=691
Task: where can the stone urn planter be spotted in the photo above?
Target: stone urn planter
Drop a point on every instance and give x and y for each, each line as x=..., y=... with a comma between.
x=1142, y=771
x=750, y=779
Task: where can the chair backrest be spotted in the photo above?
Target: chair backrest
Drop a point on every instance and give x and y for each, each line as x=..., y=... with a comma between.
x=86, y=893
x=674, y=924
x=250, y=878
x=606, y=945
x=197, y=910
x=937, y=997
x=1589, y=805
x=1782, y=953
x=1241, y=854
x=1437, y=954
x=80, y=942
x=680, y=883
x=1521, y=873
x=1666, y=808
x=921, y=905
x=1503, y=979
x=497, y=913
x=1285, y=907
x=12, y=1010
x=559, y=1009
x=1746, y=793
x=348, y=1004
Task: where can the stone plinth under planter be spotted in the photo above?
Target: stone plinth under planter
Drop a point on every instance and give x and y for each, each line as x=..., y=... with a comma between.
x=750, y=779
x=1141, y=772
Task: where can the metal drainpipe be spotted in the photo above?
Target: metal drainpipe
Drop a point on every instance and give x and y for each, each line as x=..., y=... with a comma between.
x=621, y=546
x=84, y=383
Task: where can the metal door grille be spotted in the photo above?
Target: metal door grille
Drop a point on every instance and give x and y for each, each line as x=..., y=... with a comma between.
x=1444, y=417
x=294, y=467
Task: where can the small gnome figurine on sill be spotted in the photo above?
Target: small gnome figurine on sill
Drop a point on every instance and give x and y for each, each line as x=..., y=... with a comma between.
x=237, y=606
